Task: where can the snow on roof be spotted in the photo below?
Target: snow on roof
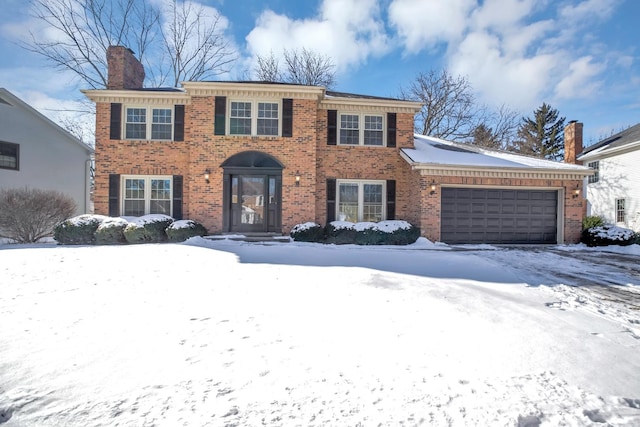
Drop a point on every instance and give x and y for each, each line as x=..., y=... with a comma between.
x=433, y=151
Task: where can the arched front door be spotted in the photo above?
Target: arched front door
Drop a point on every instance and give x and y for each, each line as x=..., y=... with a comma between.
x=252, y=193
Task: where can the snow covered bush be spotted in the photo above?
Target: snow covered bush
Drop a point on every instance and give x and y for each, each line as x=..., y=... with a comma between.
x=148, y=229
x=340, y=232
x=29, y=214
x=608, y=234
x=307, y=232
x=79, y=230
x=181, y=230
x=592, y=221
x=367, y=233
x=398, y=232
x=111, y=231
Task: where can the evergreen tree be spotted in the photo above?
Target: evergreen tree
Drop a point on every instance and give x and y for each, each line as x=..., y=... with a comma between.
x=542, y=136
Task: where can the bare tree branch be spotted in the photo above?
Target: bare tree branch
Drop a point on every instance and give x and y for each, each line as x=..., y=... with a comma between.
x=304, y=67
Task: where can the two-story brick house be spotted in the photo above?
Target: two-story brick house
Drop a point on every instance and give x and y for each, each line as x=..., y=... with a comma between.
x=243, y=157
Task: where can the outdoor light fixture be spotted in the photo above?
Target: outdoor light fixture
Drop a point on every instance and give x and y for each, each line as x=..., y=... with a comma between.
x=297, y=178
x=433, y=188
x=207, y=173
x=576, y=192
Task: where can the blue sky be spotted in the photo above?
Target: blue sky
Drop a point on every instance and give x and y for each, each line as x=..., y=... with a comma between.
x=580, y=56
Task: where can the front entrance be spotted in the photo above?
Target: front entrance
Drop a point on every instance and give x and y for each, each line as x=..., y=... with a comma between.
x=255, y=203
x=252, y=193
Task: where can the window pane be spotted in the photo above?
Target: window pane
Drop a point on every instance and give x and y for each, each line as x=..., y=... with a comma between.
x=348, y=202
x=267, y=119
x=160, y=189
x=161, y=124
x=134, y=189
x=620, y=210
x=8, y=155
x=372, y=202
x=596, y=176
x=373, y=130
x=160, y=207
x=349, y=133
x=136, y=123
x=240, y=119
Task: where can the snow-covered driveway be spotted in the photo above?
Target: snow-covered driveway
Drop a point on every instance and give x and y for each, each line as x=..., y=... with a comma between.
x=234, y=334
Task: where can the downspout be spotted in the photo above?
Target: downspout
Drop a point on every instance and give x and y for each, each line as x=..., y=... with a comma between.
x=87, y=186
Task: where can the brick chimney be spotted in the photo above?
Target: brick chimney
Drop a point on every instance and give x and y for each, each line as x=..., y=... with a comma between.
x=572, y=142
x=124, y=70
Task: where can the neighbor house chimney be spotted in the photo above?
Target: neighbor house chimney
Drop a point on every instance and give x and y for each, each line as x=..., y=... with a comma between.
x=124, y=70
x=572, y=142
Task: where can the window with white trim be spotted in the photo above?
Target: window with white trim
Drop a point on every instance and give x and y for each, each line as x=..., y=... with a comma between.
x=361, y=129
x=258, y=118
x=141, y=121
x=620, y=210
x=596, y=176
x=144, y=195
x=359, y=200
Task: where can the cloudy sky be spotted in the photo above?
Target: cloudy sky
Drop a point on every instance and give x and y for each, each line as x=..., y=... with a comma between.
x=580, y=56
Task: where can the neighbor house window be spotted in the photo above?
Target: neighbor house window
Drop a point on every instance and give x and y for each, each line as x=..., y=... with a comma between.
x=243, y=121
x=9, y=155
x=620, y=210
x=360, y=201
x=361, y=129
x=157, y=122
x=147, y=195
x=595, y=177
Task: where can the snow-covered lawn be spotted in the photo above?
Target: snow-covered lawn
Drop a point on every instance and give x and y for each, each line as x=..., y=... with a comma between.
x=224, y=333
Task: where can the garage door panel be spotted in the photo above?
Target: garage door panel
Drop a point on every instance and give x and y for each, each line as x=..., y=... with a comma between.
x=472, y=215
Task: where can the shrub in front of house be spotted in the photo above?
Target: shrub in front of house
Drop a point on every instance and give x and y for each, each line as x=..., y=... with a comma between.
x=181, y=230
x=29, y=214
x=397, y=232
x=111, y=231
x=79, y=230
x=340, y=233
x=608, y=234
x=592, y=221
x=367, y=233
x=148, y=229
x=307, y=232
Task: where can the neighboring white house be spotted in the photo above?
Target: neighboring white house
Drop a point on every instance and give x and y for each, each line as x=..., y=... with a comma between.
x=37, y=153
x=614, y=191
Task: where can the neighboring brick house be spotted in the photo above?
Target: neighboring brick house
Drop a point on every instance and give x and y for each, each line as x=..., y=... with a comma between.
x=254, y=157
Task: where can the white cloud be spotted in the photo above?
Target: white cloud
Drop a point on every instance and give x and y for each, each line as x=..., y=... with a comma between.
x=423, y=24
x=347, y=31
x=580, y=82
x=587, y=11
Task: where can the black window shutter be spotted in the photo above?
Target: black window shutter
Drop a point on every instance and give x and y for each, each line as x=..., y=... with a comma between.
x=114, y=194
x=177, y=197
x=178, y=123
x=220, y=112
x=391, y=129
x=391, y=199
x=226, y=201
x=116, y=117
x=331, y=200
x=332, y=127
x=287, y=117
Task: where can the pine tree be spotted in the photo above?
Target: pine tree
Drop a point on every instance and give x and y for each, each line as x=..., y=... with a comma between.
x=542, y=136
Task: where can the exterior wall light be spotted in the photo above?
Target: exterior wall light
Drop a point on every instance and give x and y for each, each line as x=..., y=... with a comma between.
x=433, y=188
x=207, y=174
x=576, y=192
x=298, y=178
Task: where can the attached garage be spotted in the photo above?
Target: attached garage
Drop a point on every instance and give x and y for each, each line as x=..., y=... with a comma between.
x=482, y=215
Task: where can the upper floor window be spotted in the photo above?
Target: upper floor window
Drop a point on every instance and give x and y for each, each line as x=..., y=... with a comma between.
x=361, y=129
x=254, y=118
x=595, y=166
x=359, y=201
x=147, y=195
x=620, y=210
x=156, y=122
x=9, y=155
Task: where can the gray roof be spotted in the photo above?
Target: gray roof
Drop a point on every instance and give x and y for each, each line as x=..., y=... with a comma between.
x=626, y=137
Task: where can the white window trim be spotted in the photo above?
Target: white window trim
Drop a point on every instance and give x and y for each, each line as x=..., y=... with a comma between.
x=149, y=121
x=147, y=196
x=623, y=210
x=254, y=116
x=361, y=183
x=361, y=129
